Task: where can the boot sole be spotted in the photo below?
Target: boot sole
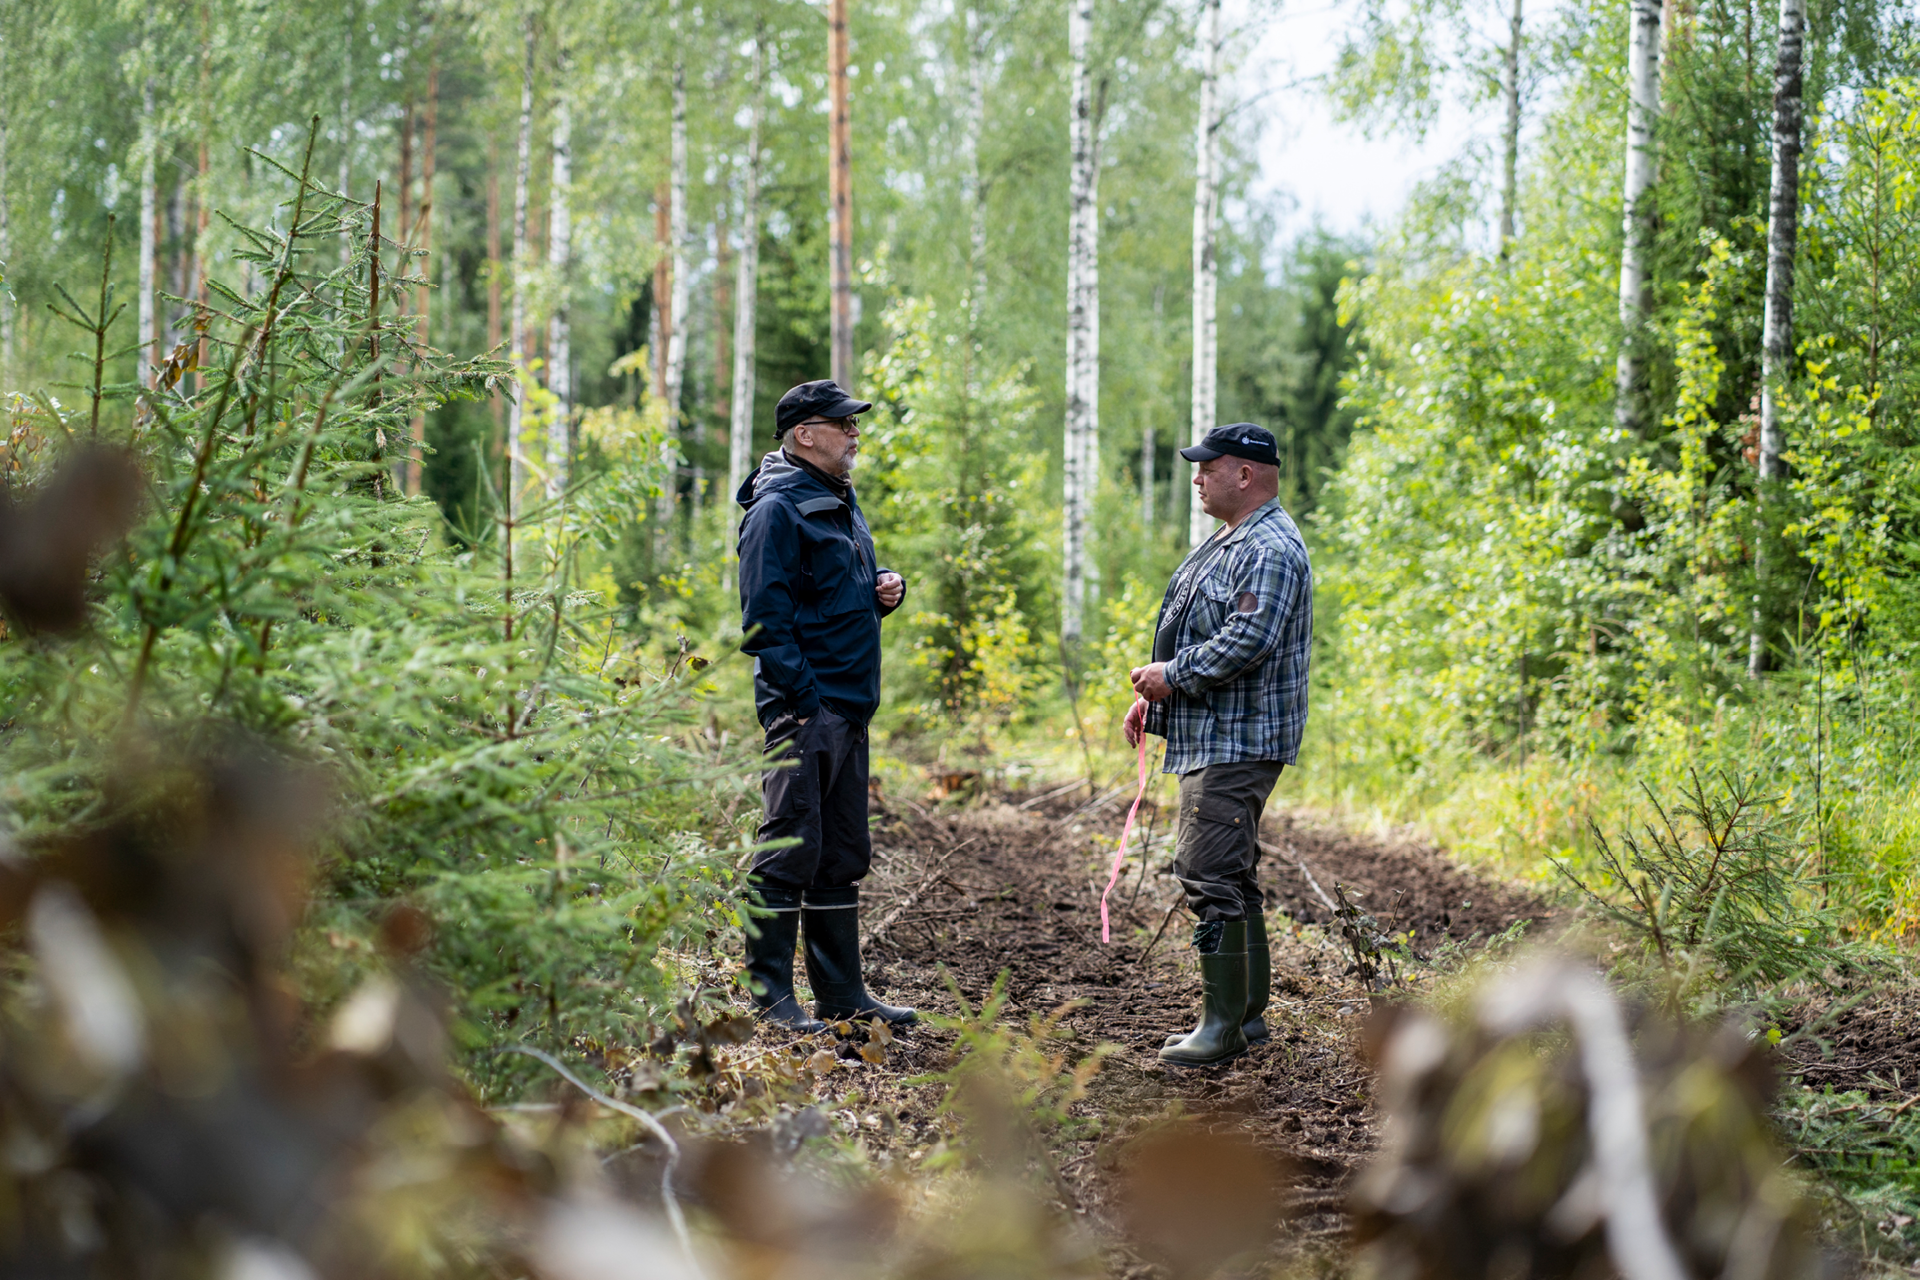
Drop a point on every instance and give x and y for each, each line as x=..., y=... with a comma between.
x=1251, y=1040
x=1202, y=1062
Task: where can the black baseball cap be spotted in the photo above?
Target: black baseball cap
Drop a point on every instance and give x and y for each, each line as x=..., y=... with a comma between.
x=822, y=399
x=1240, y=439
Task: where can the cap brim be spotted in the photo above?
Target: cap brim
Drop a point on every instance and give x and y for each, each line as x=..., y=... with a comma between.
x=845, y=408
x=1200, y=453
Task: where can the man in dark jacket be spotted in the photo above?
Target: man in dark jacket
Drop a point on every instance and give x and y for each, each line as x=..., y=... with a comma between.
x=811, y=599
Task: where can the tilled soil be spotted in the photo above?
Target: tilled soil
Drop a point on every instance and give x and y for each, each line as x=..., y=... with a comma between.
x=959, y=895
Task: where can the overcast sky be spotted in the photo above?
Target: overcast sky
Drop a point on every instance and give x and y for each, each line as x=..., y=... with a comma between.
x=1324, y=170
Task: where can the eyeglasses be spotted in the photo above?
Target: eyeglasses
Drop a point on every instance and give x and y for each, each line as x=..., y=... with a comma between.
x=848, y=426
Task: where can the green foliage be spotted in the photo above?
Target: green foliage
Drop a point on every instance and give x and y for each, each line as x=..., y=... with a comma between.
x=1722, y=901
x=495, y=757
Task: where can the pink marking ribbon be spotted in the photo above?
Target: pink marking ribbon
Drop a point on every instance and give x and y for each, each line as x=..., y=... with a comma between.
x=1126, y=833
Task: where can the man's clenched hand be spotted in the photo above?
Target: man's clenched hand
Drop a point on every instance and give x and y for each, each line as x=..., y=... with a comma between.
x=1136, y=722
x=1150, y=681
x=888, y=588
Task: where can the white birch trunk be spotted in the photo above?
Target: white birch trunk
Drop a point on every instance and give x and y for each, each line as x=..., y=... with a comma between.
x=975, y=192
x=678, y=304
x=559, y=325
x=149, y=333
x=1206, y=263
x=1643, y=110
x=746, y=287
x=1776, y=336
x=517, y=322
x=1081, y=448
x=1510, y=138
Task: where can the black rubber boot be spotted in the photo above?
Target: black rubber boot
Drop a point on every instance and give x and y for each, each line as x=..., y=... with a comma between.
x=1259, y=979
x=833, y=961
x=770, y=942
x=1223, y=979
x=1259, y=984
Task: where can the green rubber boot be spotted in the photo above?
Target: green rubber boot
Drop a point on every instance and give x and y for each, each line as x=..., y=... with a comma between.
x=1223, y=981
x=1259, y=984
x=1259, y=980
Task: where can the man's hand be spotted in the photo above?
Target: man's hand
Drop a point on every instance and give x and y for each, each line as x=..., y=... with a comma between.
x=1150, y=681
x=1136, y=722
x=889, y=588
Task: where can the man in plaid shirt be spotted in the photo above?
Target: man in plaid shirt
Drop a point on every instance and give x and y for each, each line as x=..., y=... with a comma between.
x=1227, y=688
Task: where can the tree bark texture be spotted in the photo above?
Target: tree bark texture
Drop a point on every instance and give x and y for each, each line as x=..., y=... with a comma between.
x=1643, y=111
x=1776, y=336
x=422, y=294
x=1081, y=445
x=560, y=262
x=517, y=325
x=1510, y=135
x=1206, y=265
x=678, y=285
x=976, y=189
x=746, y=284
x=6, y=244
x=493, y=260
x=149, y=335
x=840, y=196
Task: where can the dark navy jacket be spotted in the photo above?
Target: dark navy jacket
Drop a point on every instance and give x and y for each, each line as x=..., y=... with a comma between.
x=807, y=573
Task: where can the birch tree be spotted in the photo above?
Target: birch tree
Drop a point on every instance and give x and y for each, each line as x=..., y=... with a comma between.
x=522, y=282
x=1082, y=450
x=6, y=229
x=1206, y=266
x=839, y=196
x=1776, y=337
x=1510, y=133
x=149, y=144
x=677, y=251
x=1643, y=110
x=560, y=262
x=747, y=281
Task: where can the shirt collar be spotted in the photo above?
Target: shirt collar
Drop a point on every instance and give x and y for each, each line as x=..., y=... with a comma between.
x=1260, y=513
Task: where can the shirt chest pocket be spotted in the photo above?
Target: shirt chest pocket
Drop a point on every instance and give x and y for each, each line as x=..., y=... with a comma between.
x=1212, y=601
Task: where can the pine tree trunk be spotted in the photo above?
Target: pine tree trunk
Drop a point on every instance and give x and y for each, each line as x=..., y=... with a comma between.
x=560, y=260
x=517, y=325
x=840, y=196
x=747, y=284
x=1643, y=110
x=1510, y=136
x=678, y=286
x=1776, y=338
x=1206, y=264
x=1081, y=447
x=422, y=295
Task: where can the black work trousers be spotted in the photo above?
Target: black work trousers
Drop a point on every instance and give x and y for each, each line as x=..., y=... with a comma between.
x=815, y=791
x=1216, y=855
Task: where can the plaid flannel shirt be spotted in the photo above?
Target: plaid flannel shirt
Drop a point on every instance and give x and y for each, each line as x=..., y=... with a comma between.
x=1240, y=679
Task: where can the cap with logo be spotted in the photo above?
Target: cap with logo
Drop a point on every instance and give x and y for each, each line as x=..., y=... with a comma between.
x=821, y=399
x=1238, y=439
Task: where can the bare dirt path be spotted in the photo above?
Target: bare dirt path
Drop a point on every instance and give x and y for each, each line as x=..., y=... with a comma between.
x=961, y=894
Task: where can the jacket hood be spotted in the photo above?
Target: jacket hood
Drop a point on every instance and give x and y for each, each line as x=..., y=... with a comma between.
x=773, y=474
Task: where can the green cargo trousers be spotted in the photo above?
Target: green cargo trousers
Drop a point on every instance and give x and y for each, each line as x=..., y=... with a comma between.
x=1216, y=855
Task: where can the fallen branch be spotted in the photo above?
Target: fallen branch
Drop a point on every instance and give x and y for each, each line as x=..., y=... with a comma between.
x=1158, y=934
x=933, y=877
x=653, y=1125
